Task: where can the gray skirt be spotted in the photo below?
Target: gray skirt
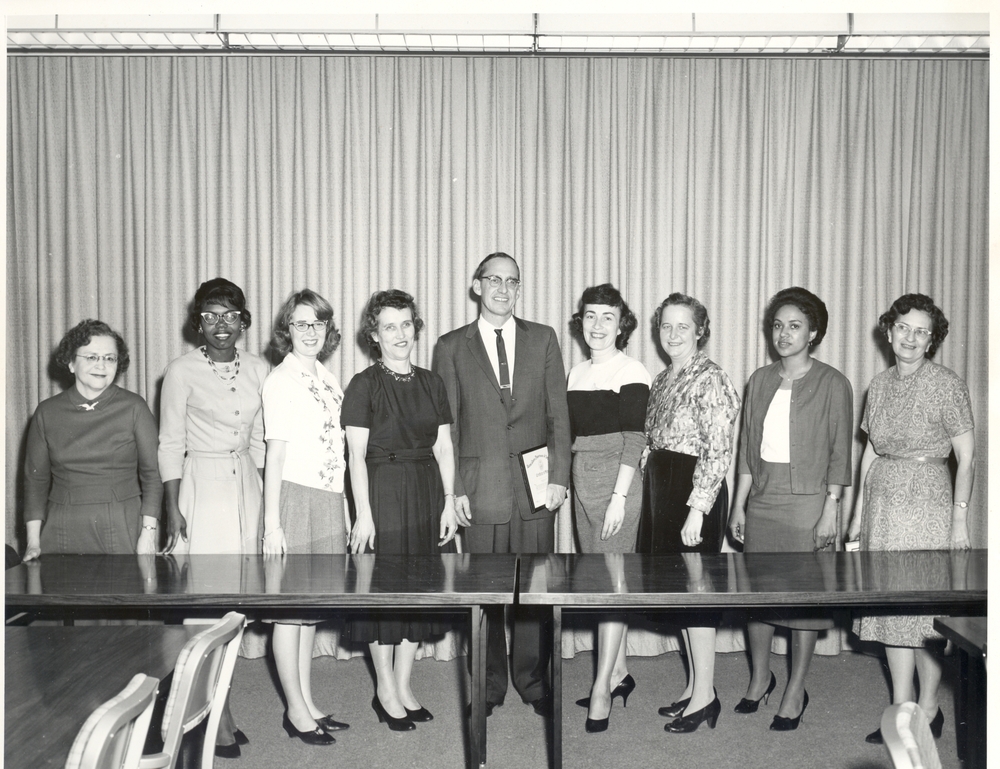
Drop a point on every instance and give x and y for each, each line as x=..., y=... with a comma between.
x=596, y=460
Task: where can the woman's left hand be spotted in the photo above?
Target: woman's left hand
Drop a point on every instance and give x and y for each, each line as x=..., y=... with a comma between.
x=614, y=516
x=691, y=532
x=146, y=545
x=960, y=537
x=449, y=522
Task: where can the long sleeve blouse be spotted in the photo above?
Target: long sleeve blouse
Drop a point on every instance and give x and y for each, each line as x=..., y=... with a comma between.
x=821, y=426
x=695, y=414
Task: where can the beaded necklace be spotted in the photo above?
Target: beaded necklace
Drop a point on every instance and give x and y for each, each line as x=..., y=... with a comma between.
x=224, y=374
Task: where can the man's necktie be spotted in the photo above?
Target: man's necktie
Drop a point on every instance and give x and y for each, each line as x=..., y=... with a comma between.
x=502, y=358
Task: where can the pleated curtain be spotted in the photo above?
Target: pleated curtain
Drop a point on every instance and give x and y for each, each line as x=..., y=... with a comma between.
x=131, y=179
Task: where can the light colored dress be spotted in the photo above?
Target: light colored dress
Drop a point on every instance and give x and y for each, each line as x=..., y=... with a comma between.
x=908, y=504
x=212, y=439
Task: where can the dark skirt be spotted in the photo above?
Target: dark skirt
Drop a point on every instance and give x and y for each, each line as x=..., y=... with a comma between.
x=667, y=484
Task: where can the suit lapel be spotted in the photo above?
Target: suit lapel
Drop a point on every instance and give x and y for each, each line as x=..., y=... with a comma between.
x=474, y=341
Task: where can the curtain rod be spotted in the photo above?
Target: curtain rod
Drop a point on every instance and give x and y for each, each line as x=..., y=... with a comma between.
x=511, y=54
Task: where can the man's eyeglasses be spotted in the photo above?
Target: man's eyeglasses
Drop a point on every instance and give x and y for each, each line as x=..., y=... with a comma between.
x=212, y=318
x=92, y=359
x=923, y=334
x=496, y=281
x=303, y=325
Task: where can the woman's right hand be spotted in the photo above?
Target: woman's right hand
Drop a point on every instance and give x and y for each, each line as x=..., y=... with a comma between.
x=738, y=523
x=363, y=534
x=274, y=542
x=614, y=516
x=176, y=528
x=31, y=553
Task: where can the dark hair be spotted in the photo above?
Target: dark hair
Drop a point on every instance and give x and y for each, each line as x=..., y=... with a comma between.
x=281, y=339
x=399, y=300
x=219, y=291
x=611, y=296
x=80, y=336
x=698, y=312
x=924, y=303
x=807, y=302
x=481, y=269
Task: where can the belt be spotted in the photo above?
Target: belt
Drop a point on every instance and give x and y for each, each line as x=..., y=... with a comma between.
x=110, y=491
x=401, y=455
x=928, y=460
x=239, y=456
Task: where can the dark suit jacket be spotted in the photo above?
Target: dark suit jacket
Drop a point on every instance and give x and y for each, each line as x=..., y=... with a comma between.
x=490, y=429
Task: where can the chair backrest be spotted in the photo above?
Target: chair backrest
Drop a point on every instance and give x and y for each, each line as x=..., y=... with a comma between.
x=113, y=735
x=907, y=736
x=202, y=676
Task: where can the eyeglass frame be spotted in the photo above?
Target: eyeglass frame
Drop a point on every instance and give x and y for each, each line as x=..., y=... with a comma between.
x=496, y=281
x=93, y=358
x=322, y=324
x=205, y=316
x=923, y=334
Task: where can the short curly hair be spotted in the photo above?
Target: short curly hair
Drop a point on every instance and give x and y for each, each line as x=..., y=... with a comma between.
x=698, y=313
x=808, y=304
x=399, y=300
x=219, y=291
x=281, y=337
x=924, y=303
x=80, y=336
x=608, y=295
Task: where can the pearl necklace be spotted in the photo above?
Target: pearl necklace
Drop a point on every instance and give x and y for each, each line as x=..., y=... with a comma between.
x=223, y=375
x=395, y=374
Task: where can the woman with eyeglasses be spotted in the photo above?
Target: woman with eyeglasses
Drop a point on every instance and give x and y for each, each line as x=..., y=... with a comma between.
x=303, y=485
x=212, y=444
x=916, y=415
x=91, y=482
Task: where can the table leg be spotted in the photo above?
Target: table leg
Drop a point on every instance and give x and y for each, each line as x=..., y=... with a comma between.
x=972, y=711
x=477, y=715
x=557, y=687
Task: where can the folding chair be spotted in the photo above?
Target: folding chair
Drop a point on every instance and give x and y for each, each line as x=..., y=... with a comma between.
x=113, y=735
x=908, y=738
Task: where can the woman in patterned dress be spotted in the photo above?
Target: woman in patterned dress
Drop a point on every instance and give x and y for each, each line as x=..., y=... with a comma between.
x=211, y=454
x=795, y=406
x=917, y=413
x=690, y=419
x=303, y=485
x=607, y=396
x=402, y=463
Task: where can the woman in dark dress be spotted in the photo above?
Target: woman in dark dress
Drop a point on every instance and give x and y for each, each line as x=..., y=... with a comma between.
x=402, y=474
x=690, y=419
x=90, y=476
x=801, y=407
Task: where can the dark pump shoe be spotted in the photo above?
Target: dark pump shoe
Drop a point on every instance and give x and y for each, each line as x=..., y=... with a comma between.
x=419, y=716
x=674, y=709
x=623, y=690
x=328, y=724
x=241, y=738
x=228, y=751
x=690, y=722
x=750, y=706
x=316, y=737
x=396, y=724
x=782, y=724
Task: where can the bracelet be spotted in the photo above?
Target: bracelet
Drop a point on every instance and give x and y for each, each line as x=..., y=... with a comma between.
x=450, y=495
x=833, y=496
x=962, y=505
x=148, y=527
x=623, y=496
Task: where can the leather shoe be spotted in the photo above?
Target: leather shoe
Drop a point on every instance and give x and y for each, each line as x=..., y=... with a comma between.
x=241, y=738
x=418, y=716
x=315, y=737
x=328, y=724
x=228, y=751
x=542, y=706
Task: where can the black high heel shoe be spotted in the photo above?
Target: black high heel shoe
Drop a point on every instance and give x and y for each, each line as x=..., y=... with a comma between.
x=316, y=737
x=418, y=716
x=674, y=709
x=240, y=737
x=750, y=706
x=782, y=724
x=690, y=722
x=623, y=690
x=396, y=724
x=329, y=724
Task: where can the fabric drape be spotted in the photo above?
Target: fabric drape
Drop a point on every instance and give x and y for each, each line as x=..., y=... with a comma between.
x=131, y=179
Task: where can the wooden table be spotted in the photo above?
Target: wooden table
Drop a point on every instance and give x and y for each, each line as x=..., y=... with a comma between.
x=925, y=582
x=969, y=635
x=57, y=676
x=70, y=586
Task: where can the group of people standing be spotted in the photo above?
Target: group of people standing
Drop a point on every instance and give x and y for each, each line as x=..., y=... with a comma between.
x=249, y=459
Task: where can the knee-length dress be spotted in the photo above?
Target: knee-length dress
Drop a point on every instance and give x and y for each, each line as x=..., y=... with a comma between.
x=402, y=415
x=212, y=439
x=908, y=503
x=90, y=471
x=607, y=412
x=689, y=425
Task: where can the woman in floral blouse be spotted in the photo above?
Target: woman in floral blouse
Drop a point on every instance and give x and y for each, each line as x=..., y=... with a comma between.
x=801, y=407
x=303, y=484
x=690, y=419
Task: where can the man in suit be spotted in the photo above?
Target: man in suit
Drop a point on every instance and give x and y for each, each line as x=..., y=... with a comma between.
x=507, y=388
